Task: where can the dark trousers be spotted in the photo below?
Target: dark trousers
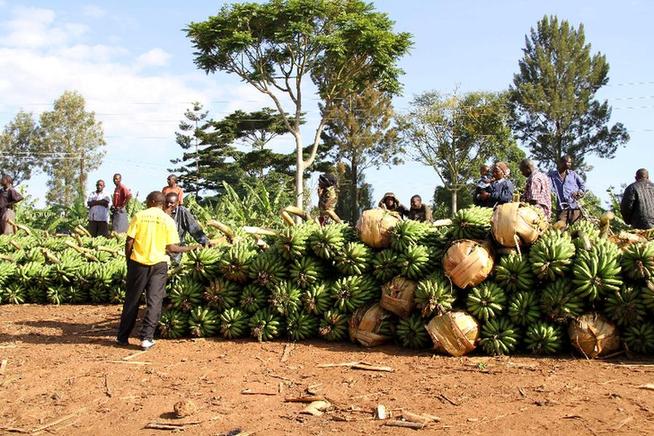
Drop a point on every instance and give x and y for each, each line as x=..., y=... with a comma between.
x=152, y=280
x=569, y=216
x=99, y=228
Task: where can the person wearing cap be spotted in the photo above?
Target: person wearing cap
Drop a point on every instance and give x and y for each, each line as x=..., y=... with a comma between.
x=637, y=205
x=390, y=202
x=327, y=199
x=418, y=210
x=172, y=186
x=501, y=188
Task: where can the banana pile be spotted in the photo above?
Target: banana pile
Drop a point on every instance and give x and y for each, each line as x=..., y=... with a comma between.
x=307, y=281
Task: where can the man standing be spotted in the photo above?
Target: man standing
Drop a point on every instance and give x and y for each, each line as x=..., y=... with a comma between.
x=150, y=235
x=327, y=199
x=185, y=223
x=119, y=217
x=8, y=198
x=501, y=188
x=173, y=187
x=418, y=210
x=98, y=203
x=537, y=188
x=637, y=204
x=568, y=187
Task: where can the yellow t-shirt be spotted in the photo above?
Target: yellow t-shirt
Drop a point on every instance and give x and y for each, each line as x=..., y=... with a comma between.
x=152, y=229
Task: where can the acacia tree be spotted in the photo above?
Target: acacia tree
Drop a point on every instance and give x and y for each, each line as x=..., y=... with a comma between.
x=19, y=148
x=282, y=46
x=455, y=135
x=74, y=142
x=553, y=97
x=360, y=134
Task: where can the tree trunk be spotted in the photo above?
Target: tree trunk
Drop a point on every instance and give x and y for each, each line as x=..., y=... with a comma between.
x=454, y=201
x=299, y=171
x=354, y=180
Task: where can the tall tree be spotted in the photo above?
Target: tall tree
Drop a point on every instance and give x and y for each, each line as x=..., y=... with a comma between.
x=19, y=148
x=363, y=193
x=455, y=135
x=190, y=137
x=278, y=46
x=553, y=97
x=73, y=141
x=359, y=130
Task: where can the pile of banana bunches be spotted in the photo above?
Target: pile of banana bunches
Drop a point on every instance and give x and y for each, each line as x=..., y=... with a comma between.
x=308, y=281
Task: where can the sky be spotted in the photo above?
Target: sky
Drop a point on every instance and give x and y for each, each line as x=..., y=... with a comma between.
x=134, y=65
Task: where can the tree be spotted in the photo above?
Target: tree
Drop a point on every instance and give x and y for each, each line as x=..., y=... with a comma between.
x=276, y=47
x=191, y=134
x=363, y=192
x=455, y=135
x=73, y=141
x=19, y=148
x=359, y=130
x=553, y=104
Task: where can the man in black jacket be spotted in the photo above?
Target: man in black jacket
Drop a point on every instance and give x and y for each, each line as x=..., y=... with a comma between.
x=637, y=204
x=185, y=222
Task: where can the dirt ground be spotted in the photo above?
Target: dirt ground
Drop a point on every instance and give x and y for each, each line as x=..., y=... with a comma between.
x=64, y=375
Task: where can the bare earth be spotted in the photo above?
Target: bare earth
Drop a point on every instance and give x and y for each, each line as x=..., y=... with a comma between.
x=64, y=375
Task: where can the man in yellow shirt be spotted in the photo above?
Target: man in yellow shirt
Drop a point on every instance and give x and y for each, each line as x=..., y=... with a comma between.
x=150, y=236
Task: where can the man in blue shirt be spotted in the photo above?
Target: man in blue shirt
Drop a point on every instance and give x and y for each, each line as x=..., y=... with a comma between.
x=569, y=187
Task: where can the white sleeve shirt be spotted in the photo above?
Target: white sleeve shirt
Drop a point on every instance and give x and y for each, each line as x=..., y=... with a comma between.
x=99, y=213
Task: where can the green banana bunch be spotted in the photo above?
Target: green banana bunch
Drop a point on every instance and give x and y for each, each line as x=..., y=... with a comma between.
x=221, y=294
x=301, y=325
x=640, y=338
x=14, y=294
x=513, y=273
x=498, y=337
x=305, y=272
x=551, y=255
x=625, y=306
x=253, y=298
x=434, y=296
x=185, y=294
x=333, y=325
x=327, y=242
x=233, y=323
x=173, y=324
x=414, y=262
x=202, y=265
x=486, y=301
x=354, y=259
x=349, y=293
x=406, y=234
x=203, y=322
x=544, y=338
x=584, y=234
x=292, y=241
x=385, y=265
x=560, y=303
x=411, y=333
x=265, y=325
x=638, y=261
x=596, y=272
x=524, y=308
x=267, y=269
x=317, y=299
x=472, y=223
x=235, y=262
x=285, y=298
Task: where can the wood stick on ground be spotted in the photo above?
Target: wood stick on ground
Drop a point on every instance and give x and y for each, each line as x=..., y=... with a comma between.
x=131, y=356
x=155, y=426
x=252, y=392
x=130, y=362
x=107, y=390
x=304, y=399
x=404, y=424
x=3, y=366
x=452, y=402
x=287, y=352
x=357, y=365
x=14, y=430
x=57, y=421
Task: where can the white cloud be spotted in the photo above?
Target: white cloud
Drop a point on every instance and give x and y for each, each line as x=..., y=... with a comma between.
x=156, y=57
x=94, y=11
x=36, y=28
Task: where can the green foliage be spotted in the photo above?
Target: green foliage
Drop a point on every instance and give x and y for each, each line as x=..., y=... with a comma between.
x=552, y=98
x=456, y=134
x=19, y=148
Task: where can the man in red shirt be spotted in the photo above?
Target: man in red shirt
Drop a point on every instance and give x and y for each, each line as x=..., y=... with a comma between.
x=119, y=217
x=174, y=188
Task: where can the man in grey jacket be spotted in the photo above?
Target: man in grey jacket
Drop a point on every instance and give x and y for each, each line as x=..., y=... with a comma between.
x=185, y=222
x=637, y=204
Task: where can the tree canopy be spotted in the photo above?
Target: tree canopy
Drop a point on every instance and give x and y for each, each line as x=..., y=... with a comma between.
x=276, y=47
x=20, y=154
x=553, y=97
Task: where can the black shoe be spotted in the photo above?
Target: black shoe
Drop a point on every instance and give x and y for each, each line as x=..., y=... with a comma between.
x=121, y=343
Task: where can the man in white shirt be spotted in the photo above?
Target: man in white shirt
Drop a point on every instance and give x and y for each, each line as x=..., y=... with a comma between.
x=98, y=204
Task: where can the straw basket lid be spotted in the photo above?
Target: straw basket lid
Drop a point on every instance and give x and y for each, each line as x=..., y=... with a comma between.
x=365, y=323
x=454, y=333
x=398, y=296
x=517, y=224
x=374, y=227
x=467, y=263
x=593, y=335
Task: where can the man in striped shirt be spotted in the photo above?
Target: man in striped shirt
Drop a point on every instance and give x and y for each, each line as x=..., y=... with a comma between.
x=537, y=187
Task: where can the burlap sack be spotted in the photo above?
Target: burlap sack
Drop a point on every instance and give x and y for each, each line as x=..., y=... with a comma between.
x=517, y=224
x=454, y=333
x=365, y=323
x=593, y=335
x=397, y=296
x=374, y=227
x=467, y=263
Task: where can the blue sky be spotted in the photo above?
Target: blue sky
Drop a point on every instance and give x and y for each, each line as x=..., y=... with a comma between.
x=133, y=63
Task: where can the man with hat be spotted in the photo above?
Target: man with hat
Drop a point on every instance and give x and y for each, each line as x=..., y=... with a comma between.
x=327, y=199
x=390, y=202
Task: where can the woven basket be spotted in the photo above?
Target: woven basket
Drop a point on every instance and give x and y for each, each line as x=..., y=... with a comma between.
x=397, y=296
x=454, y=333
x=374, y=227
x=365, y=323
x=517, y=224
x=593, y=335
x=467, y=263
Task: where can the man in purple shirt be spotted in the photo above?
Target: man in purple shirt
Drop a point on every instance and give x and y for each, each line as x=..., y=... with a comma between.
x=568, y=187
